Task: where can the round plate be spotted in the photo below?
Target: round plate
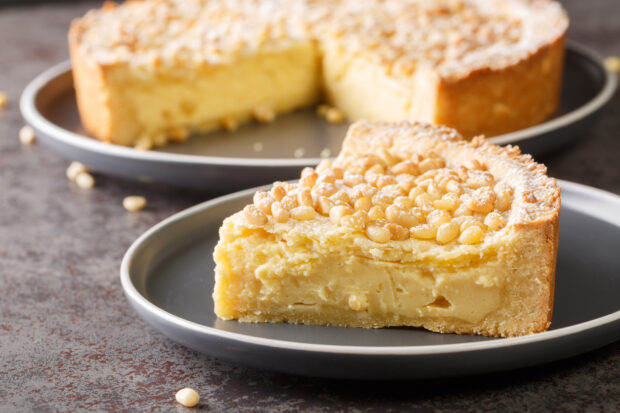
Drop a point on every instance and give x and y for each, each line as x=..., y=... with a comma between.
x=167, y=275
x=260, y=154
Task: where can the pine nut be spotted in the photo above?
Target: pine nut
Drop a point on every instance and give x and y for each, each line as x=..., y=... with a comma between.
x=340, y=197
x=400, y=217
x=363, y=204
x=397, y=232
x=471, y=235
x=438, y=217
x=279, y=213
x=375, y=213
x=264, y=204
x=431, y=163
x=324, y=189
x=138, y=203
x=339, y=211
x=447, y=232
x=309, y=180
x=482, y=200
x=351, y=179
x=277, y=192
x=304, y=197
x=495, y=221
x=289, y=201
x=378, y=233
x=74, y=169
x=85, y=180
x=323, y=205
x=356, y=222
x=187, y=397
x=424, y=231
x=26, y=135
x=303, y=213
x=406, y=167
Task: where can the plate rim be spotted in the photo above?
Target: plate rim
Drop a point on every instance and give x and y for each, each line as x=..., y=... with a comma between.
x=56, y=132
x=136, y=298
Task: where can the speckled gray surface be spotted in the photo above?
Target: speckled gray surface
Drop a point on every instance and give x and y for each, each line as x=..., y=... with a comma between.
x=70, y=342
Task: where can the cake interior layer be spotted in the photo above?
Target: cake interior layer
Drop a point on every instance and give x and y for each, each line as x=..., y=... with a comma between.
x=266, y=277
x=205, y=98
x=362, y=89
x=158, y=102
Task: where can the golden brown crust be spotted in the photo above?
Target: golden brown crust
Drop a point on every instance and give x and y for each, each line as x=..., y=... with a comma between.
x=90, y=88
x=496, y=101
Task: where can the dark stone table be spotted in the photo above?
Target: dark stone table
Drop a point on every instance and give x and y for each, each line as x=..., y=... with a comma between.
x=69, y=340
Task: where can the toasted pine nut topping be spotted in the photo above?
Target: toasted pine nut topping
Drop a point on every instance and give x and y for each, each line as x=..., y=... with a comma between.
x=386, y=198
x=279, y=213
x=447, y=232
x=424, y=231
x=471, y=235
x=378, y=233
x=254, y=215
x=303, y=213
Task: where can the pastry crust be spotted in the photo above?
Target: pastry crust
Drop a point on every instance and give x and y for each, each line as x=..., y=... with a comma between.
x=415, y=265
x=481, y=66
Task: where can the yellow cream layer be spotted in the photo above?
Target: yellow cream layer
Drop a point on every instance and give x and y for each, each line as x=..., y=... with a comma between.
x=206, y=97
x=361, y=89
x=323, y=274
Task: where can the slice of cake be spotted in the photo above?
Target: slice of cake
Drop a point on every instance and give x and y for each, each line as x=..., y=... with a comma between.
x=410, y=226
x=147, y=72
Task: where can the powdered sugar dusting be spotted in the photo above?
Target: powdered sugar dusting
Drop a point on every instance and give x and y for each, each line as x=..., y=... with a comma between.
x=452, y=36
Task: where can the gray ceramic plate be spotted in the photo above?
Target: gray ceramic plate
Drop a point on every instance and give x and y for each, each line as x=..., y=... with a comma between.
x=167, y=275
x=223, y=161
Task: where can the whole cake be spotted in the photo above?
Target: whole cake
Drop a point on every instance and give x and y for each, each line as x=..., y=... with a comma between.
x=410, y=226
x=147, y=72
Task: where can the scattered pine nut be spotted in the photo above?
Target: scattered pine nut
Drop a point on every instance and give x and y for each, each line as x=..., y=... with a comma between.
x=325, y=153
x=258, y=146
x=134, y=203
x=143, y=144
x=321, y=110
x=334, y=115
x=26, y=135
x=4, y=99
x=74, y=169
x=299, y=152
x=187, y=397
x=84, y=180
x=612, y=63
x=264, y=113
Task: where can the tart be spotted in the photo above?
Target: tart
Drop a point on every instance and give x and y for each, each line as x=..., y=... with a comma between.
x=411, y=225
x=153, y=71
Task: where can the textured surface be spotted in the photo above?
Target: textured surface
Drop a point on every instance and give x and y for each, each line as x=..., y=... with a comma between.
x=69, y=341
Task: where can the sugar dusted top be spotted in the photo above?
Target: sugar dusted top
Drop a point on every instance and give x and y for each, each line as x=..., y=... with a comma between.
x=452, y=36
x=394, y=182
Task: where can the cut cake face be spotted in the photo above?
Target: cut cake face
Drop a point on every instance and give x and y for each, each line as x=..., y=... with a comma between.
x=410, y=226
